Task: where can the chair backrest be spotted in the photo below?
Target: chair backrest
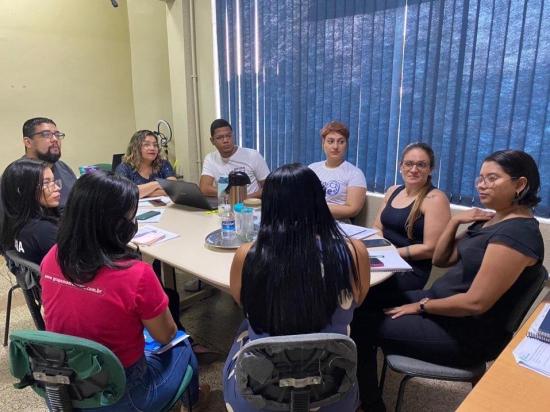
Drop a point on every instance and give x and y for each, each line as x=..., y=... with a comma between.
x=27, y=275
x=117, y=159
x=278, y=373
x=90, y=374
x=521, y=306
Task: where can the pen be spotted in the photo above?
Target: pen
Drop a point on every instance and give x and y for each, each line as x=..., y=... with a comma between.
x=376, y=256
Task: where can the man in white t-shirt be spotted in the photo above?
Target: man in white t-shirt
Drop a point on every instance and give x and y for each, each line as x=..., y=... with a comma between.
x=229, y=157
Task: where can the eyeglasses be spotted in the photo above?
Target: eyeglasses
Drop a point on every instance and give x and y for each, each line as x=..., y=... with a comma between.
x=490, y=180
x=148, y=145
x=220, y=137
x=47, y=134
x=409, y=164
x=51, y=186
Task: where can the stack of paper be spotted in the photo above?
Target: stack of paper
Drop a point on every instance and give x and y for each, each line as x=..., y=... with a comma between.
x=533, y=353
x=150, y=235
x=356, y=232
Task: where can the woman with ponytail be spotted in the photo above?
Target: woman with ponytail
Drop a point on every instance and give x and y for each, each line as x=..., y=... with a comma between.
x=413, y=216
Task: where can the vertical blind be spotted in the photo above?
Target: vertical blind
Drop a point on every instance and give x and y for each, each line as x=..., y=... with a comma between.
x=466, y=76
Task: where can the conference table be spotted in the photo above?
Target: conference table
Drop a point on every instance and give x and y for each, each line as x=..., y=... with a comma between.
x=189, y=253
x=507, y=386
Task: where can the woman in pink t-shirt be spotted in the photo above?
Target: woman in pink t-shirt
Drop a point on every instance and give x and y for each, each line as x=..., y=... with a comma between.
x=95, y=288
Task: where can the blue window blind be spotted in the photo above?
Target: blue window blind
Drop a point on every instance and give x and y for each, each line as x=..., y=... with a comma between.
x=468, y=77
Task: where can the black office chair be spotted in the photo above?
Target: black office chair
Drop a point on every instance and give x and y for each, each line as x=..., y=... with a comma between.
x=296, y=372
x=416, y=368
x=27, y=275
x=117, y=159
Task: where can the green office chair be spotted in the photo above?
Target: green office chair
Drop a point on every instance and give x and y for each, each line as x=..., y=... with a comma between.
x=71, y=372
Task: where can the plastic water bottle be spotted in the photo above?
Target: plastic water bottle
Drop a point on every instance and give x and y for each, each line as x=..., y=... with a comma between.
x=223, y=198
x=228, y=223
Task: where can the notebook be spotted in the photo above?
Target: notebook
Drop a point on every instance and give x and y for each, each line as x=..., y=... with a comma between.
x=187, y=194
x=540, y=329
x=152, y=346
x=388, y=261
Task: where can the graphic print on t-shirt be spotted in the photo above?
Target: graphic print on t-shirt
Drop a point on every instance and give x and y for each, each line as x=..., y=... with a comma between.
x=332, y=187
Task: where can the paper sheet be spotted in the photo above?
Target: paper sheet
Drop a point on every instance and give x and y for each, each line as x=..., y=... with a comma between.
x=534, y=354
x=145, y=202
x=356, y=232
x=151, y=229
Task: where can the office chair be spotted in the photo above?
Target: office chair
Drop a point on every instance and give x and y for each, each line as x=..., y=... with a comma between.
x=27, y=275
x=296, y=372
x=71, y=372
x=117, y=159
x=415, y=368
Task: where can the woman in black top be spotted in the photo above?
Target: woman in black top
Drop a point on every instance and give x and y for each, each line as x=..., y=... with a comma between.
x=30, y=197
x=461, y=319
x=413, y=216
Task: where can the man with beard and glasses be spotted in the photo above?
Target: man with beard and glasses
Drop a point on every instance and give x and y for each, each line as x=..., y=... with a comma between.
x=42, y=141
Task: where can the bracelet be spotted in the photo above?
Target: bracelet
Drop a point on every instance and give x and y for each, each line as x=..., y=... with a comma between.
x=408, y=252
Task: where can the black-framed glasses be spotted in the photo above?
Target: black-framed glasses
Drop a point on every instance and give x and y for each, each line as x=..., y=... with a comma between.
x=47, y=134
x=409, y=164
x=490, y=180
x=50, y=186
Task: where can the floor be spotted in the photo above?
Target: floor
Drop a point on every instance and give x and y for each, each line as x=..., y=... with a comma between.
x=212, y=322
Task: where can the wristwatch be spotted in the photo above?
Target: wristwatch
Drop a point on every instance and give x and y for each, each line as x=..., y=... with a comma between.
x=422, y=304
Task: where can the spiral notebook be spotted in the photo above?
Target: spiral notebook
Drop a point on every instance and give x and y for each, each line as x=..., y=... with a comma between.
x=540, y=329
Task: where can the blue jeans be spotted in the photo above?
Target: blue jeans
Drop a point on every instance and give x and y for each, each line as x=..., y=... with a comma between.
x=152, y=382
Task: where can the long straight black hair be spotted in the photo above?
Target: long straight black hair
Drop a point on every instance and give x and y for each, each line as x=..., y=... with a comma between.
x=97, y=223
x=300, y=267
x=22, y=183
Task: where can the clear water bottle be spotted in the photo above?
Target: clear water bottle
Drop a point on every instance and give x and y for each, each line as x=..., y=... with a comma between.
x=228, y=223
x=223, y=198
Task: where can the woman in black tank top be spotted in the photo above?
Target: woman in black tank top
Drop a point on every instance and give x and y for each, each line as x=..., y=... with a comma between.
x=413, y=216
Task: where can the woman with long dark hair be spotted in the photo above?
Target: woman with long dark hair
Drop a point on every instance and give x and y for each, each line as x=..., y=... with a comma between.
x=143, y=163
x=30, y=197
x=111, y=293
x=301, y=275
x=461, y=319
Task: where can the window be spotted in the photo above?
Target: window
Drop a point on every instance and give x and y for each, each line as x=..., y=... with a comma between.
x=467, y=77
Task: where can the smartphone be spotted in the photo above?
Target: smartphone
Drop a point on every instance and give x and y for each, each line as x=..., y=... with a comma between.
x=375, y=262
x=147, y=215
x=376, y=242
x=157, y=202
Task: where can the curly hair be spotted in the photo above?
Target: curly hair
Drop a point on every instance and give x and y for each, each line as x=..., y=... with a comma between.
x=133, y=152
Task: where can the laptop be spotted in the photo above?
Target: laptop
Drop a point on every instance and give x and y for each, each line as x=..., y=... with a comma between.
x=187, y=194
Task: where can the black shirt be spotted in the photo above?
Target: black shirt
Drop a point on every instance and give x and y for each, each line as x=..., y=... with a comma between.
x=486, y=332
x=36, y=239
x=393, y=221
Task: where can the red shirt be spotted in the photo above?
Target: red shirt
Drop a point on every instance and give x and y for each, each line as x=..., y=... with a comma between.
x=108, y=310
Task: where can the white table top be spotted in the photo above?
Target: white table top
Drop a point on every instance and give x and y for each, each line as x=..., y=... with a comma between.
x=189, y=253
